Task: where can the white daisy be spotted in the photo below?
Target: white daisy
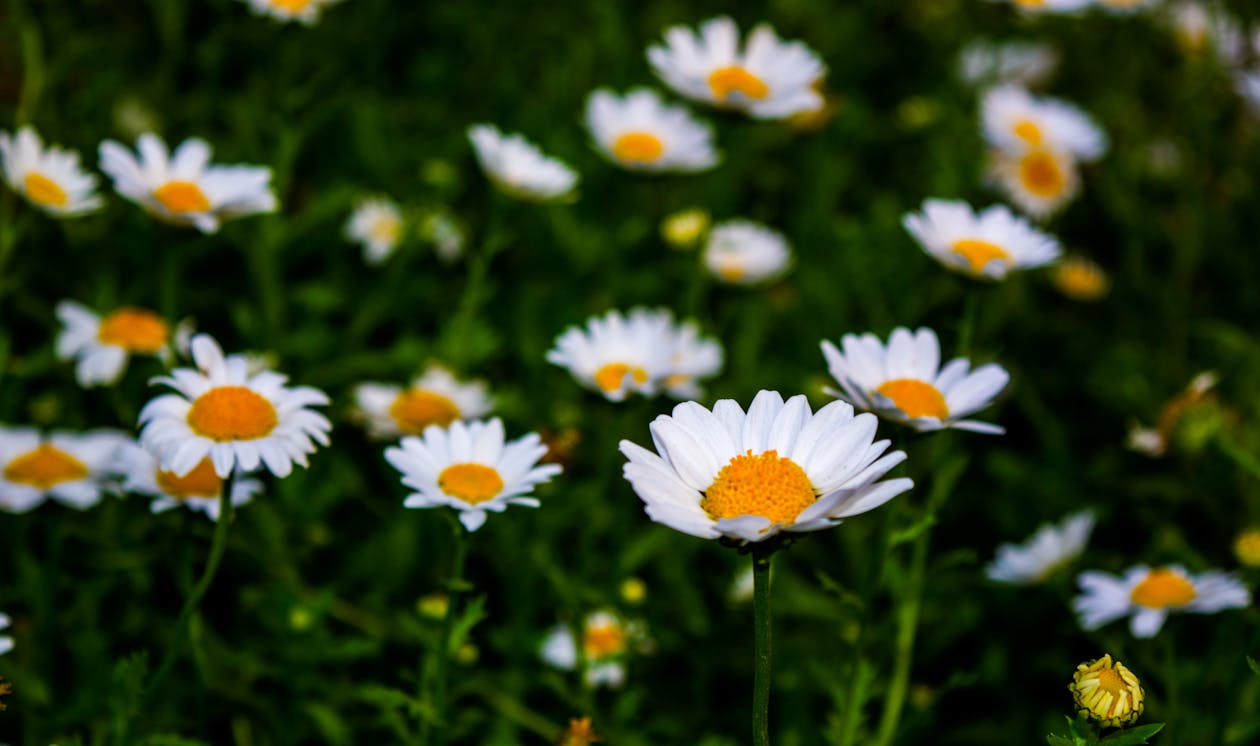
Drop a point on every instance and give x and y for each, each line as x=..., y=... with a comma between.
x=1024, y=63
x=1149, y=595
x=436, y=397
x=1046, y=551
x=518, y=168
x=183, y=188
x=692, y=358
x=71, y=468
x=1033, y=7
x=1199, y=29
x=469, y=467
x=749, y=476
x=1247, y=83
x=199, y=489
x=49, y=178
x=303, y=11
x=641, y=132
x=767, y=79
x=606, y=642
x=988, y=244
x=1016, y=121
x=377, y=224
x=1040, y=182
x=741, y=252
x=6, y=642
x=906, y=383
x=1123, y=7
x=102, y=345
x=236, y=418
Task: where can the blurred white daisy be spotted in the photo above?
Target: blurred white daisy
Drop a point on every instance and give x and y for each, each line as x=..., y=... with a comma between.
x=693, y=357
x=1047, y=551
x=183, y=188
x=468, y=466
x=376, y=224
x=987, y=244
x=1016, y=121
x=6, y=642
x=1149, y=595
x=50, y=178
x=640, y=132
x=199, y=489
x=1024, y=63
x=1040, y=182
x=749, y=476
x=1200, y=29
x=237, y=418
x=518, y=168
x=605, y=645
x=71, y=468
x=436, y=397
x=303, y=11
x=906, y=383
x=1122, y=7
x=1247, y=84
x=1033, y=7
x=768, y=78
x=741, y=252
x=102, y=345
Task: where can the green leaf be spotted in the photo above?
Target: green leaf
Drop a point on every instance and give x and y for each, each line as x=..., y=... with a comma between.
x=1054, y=740
x=1132, y=736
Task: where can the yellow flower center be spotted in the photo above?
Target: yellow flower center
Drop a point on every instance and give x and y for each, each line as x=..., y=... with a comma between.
x=292, y=6
x=766, y=485
x=1162, y=588
x=45, y=467
x=732, y=271
x=44, y=191
x=1247, y=547
x=472, y=483
x=1028, y=131
x=200, y=482
x=1107, y=692
x=734, y=79
x=134, y=329
x=232, y=413
x=385, y=229
x=1042, y=174
x=610, y=377
x=603, y=641
x=415, y=409
x=1080, y=281
x=182, y=196
x=638, y=147
x=979, y=253
x=915, y=398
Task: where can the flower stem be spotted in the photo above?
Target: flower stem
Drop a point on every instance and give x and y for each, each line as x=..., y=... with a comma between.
x=433, y=730
x=967, y=324
x=761, y=649
x=907, y=622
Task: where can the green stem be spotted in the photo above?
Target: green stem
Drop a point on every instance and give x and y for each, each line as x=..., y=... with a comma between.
x=33, y=68
x=1240, y=456
x=907, y=623
x=1172, y=690
x=761, y=649
x=436, y=731
x=967, y=325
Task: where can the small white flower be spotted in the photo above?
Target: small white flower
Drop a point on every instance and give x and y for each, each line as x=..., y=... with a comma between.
x=1149, y=595
x=1040, y=182
x=469, y=467
x=518, y=168
x=102, y=345
x=1046, y=551
x=1033, y=7
x=1247, y=83
x=606, y=642
x=71, y=468
x=1024, y=63
x=1199, y=29
x=238, y=419
x=1016, y=121
x=906, y=383
x=988, y=244
x=183, y=188
x=693, y=358
x=305, y=12
x=436, y=397
x=741, y=252
x=50, y=178
x=6, y=642
x=377, y=224
x=641, y=132
x=199, y=489
x=767, y=79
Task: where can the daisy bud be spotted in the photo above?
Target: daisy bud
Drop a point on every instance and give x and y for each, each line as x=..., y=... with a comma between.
x=1107, y=692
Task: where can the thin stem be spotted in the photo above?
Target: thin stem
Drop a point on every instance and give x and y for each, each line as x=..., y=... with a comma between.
x=967, y=324
x=1172, y=690
x=1240, y=456
x=761, y=649
x=455, y=584
x=907, y=623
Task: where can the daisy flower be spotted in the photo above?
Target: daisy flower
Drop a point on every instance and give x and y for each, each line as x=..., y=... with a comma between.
x=1039, y=181
x=1024, y=63
x=749, y=476
x=49, y=178
x=768, y=79
x=518, y=168
x=987, y=244
x=469, y=467
x=606, y=641
x=303, y=11
x=1016, y=121
x=640, y=132
x=693, y=357
x=1199, y=29
x=377, y=224
x=1149, y=595
x=1107, y=692
x=436, y=397
x=1045, y=552
x=1122, y=7
x=906, y=383
x=67, y=467
x=1080, y=279
x=199, y=489
x=1049, y=6
x=102, y=345
x=237, y=418
x=741, y=252
x=182, y=188
x=6, y=642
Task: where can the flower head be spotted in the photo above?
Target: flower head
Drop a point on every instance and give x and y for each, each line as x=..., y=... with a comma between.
x=749, y=476
x=305, y=12
x=67, y=467
x=606, y=642
x=377, y=225
x=741, y=252
x=640, y=132
x=1048, y=550
x=1016, y=121
x=683, y=229
x=1149, y=595
x=1080, y=279
x=103, y=344
x=199, y=489
x=1033, y=7
x=1040, y=181
x=436, y=397
x=1024, y=63
x=468, y=466
x=988, y=244
x=1108, y=692
x=49, y=178
x=518, y=168
x=1247, y=547
x=6, y=642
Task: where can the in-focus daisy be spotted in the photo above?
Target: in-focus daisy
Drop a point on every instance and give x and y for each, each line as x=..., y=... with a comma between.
x=1016, y=121
x=103, y=344
x=1080, y=279
x=987, y=244
x=182, y=188
x=237, y=418
x=6, y=642
x=768, y=78
x=1051, y=548
x=199, y=489
x=518, y=168
x=1025, y=63
x=742, y=252
x=377, y=224
x=641, y=132
x=469, y=467
x=1039, y=181
x=906, y=383
x=1149, y=595
x=436, y=397
x=749, y=476
x=49, y=178
x=302, y=11
x=606, y=642
x=71, y=468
